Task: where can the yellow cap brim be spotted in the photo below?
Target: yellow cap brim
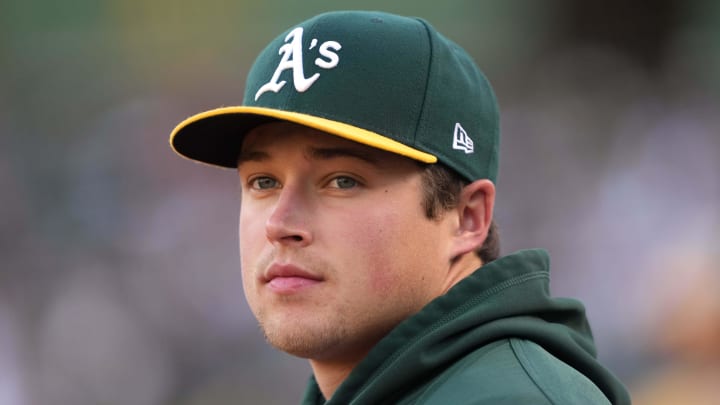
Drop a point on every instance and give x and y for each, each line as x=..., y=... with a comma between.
x=219, y=144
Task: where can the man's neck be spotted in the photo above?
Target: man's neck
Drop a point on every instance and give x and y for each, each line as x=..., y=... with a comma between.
x=460, y=269
x=329, y=375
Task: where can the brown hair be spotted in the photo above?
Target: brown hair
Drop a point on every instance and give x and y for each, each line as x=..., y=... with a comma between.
x=441, y=191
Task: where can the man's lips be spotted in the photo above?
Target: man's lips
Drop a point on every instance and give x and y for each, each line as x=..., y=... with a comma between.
x=287, y=278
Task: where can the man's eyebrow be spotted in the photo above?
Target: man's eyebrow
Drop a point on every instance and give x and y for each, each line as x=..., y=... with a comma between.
x=340, y=152
x=251, y=155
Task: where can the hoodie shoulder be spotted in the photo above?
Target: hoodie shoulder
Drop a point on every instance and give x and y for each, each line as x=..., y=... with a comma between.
x=559, y=382
x=511, y=371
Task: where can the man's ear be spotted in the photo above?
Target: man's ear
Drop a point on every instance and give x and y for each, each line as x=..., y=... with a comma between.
x=475, y=210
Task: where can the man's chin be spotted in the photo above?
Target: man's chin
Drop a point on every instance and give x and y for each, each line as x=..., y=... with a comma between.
x=304, y=343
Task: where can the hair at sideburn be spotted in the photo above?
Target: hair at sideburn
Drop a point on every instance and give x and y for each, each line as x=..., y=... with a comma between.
x=441, y=191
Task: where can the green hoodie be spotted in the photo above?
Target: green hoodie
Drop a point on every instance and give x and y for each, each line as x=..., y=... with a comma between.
x=497, y=337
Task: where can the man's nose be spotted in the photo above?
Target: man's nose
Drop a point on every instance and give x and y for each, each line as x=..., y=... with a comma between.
x=290, y=220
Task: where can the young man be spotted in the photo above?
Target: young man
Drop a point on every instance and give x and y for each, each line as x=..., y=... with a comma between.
x=367, y=150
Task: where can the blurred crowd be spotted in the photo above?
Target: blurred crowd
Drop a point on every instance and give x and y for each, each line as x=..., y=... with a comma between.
x=119, y=275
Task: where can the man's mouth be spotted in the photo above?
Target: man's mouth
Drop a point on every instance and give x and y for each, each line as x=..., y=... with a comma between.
x=288, y=278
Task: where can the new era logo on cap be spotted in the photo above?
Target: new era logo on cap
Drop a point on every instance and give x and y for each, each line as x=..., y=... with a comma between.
x=461, y=140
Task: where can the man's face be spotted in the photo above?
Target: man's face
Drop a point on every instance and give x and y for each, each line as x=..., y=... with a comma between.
x=335, y=247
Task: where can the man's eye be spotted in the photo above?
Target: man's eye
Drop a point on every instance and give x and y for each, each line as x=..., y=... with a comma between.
x=343, y=182
x=263, y=183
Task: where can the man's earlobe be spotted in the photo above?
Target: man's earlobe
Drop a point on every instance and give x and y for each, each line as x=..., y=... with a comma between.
x=475, y=210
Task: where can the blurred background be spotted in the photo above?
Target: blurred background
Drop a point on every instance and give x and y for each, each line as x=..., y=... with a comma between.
x=119, y=271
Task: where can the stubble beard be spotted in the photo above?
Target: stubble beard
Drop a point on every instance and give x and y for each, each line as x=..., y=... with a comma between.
x=304, y=341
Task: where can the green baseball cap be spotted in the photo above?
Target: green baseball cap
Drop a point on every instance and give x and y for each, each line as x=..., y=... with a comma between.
x=383, y=80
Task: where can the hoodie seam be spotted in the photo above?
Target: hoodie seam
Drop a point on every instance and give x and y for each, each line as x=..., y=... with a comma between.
x=444, y=320
x=525, y=363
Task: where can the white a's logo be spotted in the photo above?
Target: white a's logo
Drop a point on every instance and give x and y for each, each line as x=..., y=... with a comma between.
x=461, y=140
x=292, y=58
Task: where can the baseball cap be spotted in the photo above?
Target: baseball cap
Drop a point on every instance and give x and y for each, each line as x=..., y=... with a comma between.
x=383, y=80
